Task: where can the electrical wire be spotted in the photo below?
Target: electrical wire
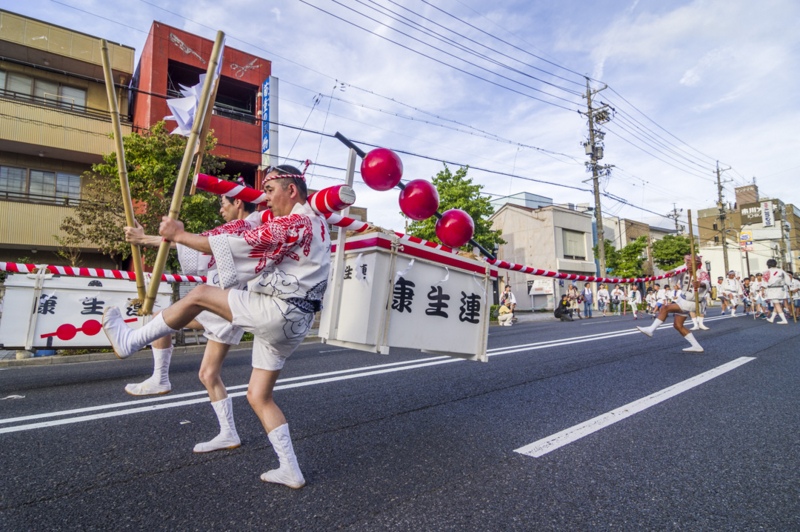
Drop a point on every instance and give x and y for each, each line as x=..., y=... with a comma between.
x=435, y=59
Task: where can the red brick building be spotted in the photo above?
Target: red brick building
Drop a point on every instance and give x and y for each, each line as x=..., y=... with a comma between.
x=172, y=57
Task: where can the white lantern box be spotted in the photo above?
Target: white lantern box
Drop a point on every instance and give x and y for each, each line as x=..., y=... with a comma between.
x=51, y=311
x=390, y=292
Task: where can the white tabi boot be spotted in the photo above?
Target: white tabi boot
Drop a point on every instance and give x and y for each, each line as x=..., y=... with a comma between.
x=159, y=383
x=733, y=312
x=227, y=437
x=783, y=319
x=703, y=324
x=695, y=348
x=288, y=472
x=695, y=324
x=771, y=318
x=127, y=341
x=650, y=330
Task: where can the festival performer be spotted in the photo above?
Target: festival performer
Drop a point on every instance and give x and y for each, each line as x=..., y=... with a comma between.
x=239, y=216
x=794, y=295
x=731, y=292
x=285, y=262
x=698, y=320
x=776, y=282
x=690, y=288
x=635, y=299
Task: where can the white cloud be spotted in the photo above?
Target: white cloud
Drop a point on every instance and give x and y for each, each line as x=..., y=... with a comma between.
x=277, y=13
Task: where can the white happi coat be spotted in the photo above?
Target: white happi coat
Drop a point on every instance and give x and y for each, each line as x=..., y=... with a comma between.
x=287, y=258
x=775, y=283
x=687, y=297
x=194, y=262
x=731, y=286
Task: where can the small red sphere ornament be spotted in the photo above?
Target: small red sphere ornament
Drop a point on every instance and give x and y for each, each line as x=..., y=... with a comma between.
x=455, y=228
x=381, y=169
x=419, y=200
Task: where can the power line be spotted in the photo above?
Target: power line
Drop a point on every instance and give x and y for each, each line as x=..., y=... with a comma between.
x=501, y=40
x=439, y=36
x=343, y=83
x=440, y=61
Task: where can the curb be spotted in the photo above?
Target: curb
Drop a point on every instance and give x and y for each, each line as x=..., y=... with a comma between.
x=97, y=357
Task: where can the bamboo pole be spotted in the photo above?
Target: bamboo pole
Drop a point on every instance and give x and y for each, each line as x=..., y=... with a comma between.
x=183, y=173
x=201, y=142
x=127, y=203
x=694, y=267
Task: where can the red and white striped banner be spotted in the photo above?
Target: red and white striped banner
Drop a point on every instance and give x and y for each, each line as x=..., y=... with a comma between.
x=17, y=267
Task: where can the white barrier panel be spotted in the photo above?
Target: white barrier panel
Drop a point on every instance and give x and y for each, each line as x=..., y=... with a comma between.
x=404, y=295
x=46, y=311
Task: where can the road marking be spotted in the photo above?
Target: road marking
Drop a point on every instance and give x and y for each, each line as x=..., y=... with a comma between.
x=319, y=378
x=541, y=447
x=152, y=408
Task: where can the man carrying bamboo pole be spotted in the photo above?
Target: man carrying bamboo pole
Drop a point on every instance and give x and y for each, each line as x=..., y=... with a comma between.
x=286, y=262
x=239, y=216
x=691, y=288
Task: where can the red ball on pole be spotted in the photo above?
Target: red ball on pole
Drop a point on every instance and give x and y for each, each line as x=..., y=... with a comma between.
x=381, y=169
x=419, y=200
x=455, y=228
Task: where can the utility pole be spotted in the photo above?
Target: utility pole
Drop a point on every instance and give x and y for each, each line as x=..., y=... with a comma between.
x=594, y=149
x=722, y=216
x=675, y=215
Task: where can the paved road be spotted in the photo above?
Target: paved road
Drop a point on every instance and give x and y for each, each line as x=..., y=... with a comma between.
x=416, y=442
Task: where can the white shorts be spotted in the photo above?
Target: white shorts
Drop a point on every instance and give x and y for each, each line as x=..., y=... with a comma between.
x=686, y=306
x=219, y=329
x=278, y=327
x=776, y=294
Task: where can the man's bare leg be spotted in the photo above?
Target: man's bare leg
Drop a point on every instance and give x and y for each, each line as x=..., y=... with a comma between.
x=778, y=311
x=678, y=324
x=210, y=370
x=127, y=341
x=259, y=394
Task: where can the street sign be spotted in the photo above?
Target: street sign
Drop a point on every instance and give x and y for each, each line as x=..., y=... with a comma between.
x=746, y=240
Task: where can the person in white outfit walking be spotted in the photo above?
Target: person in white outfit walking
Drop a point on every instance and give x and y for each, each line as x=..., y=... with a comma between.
x=777, y=284
x=635, y=299
x=731, y=292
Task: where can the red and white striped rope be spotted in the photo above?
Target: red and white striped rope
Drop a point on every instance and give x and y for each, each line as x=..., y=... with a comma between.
x=17, y=267
x=354, y=225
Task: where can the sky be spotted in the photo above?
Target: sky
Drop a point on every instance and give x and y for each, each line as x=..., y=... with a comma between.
x=498, y=86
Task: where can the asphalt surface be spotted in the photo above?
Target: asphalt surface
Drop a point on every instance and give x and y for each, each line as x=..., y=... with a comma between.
x=411, y=441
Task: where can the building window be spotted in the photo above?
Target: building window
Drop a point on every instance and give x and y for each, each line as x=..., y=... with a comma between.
x=715, y=226
x=716, y=240
x=13, y=182
x=20, y=86
x=39, y=186
x=574, y=245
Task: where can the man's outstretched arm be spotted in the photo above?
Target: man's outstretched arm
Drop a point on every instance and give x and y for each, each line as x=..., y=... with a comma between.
x=173, y=231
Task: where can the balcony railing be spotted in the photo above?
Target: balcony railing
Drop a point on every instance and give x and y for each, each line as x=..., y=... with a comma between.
x=61, y=104
x=24, y=197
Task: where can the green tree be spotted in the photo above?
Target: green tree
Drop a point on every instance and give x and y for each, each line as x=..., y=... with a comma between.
x=612, y=256
x=456, y=191
x=153, y=159
x=631, y=259
x=668, y=252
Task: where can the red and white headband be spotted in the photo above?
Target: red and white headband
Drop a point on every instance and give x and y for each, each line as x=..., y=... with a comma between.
x=281, y=174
